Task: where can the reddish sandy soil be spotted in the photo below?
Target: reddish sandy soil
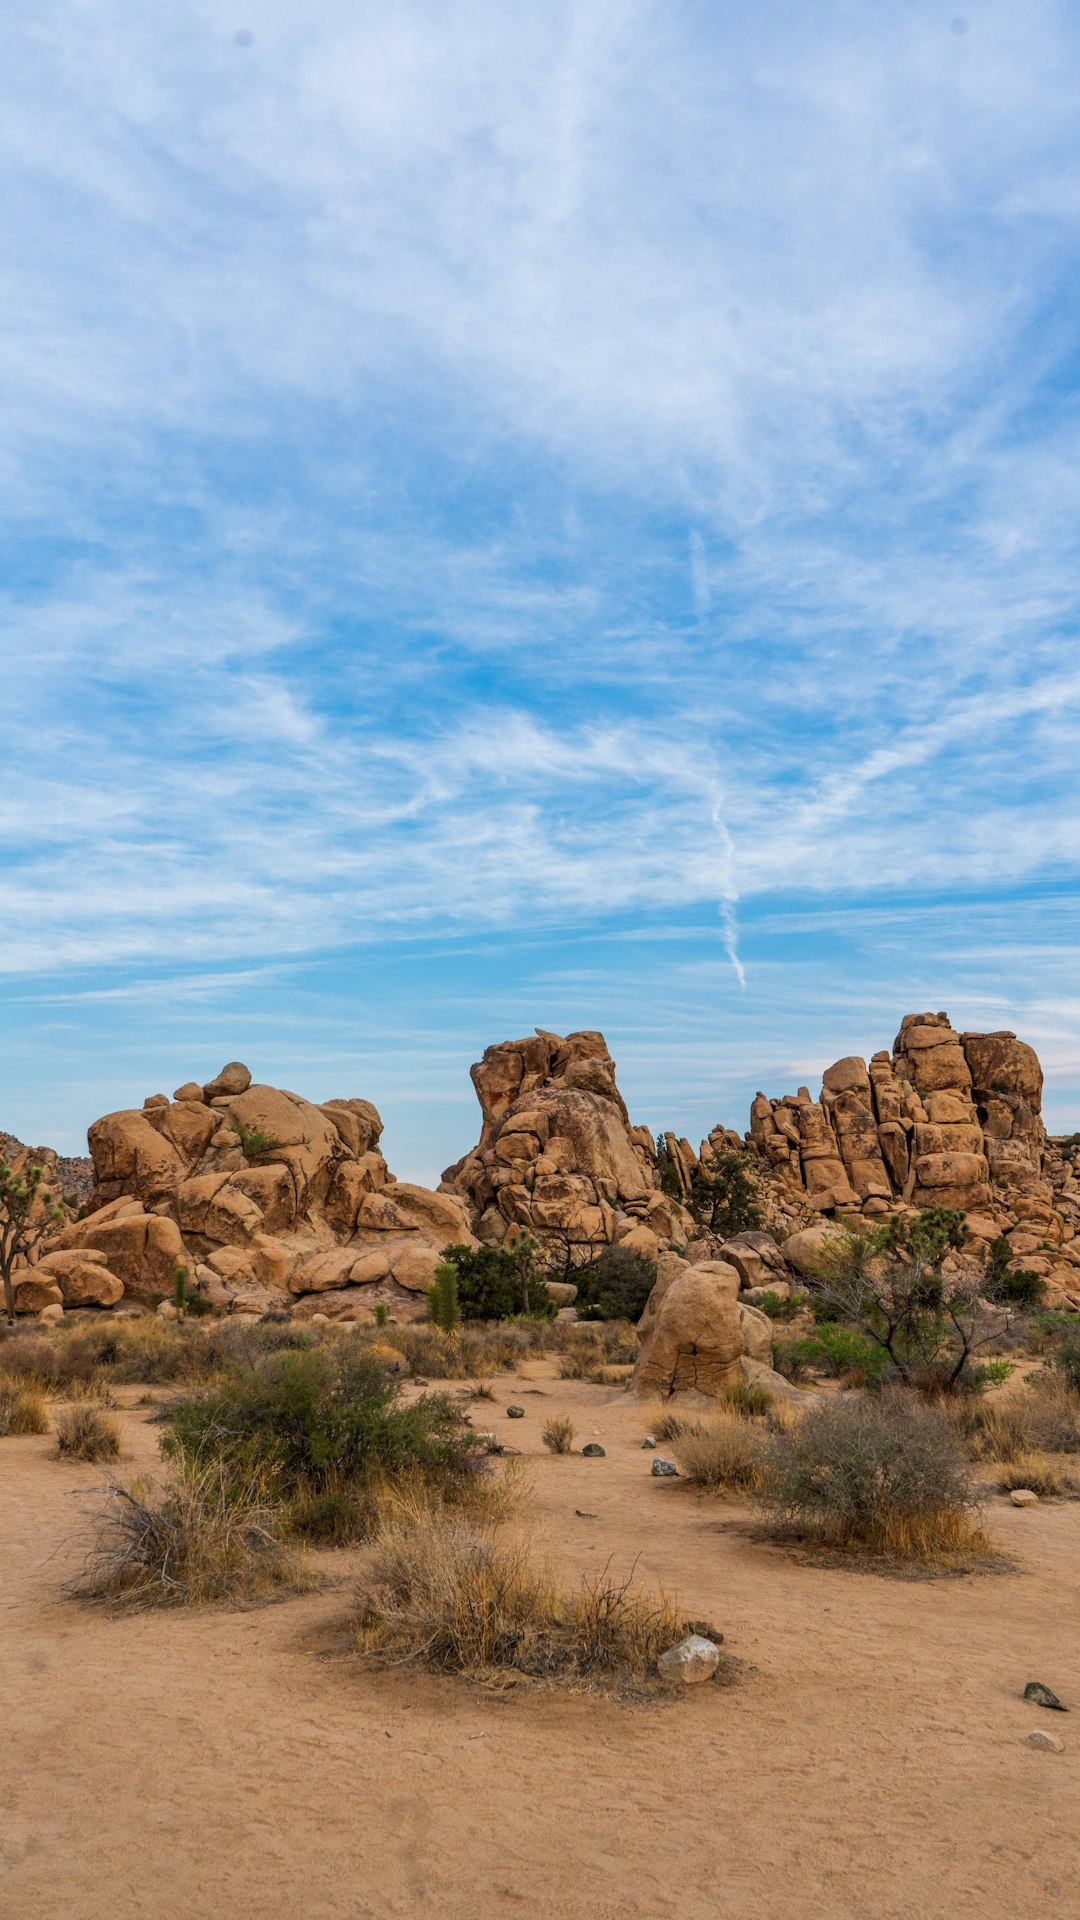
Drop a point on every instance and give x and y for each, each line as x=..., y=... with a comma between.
x=870, y=1760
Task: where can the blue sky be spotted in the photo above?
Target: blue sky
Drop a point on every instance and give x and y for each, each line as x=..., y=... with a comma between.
x=560, y=515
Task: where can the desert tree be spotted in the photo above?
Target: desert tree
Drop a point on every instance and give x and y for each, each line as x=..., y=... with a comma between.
x=28, y=1211
x=900, y=1285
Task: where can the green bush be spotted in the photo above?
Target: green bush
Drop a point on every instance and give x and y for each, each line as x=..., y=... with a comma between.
x=313, y=1423
x=615, y=1286
x=986, y=1373
x=1013, y=1286
x=779, y=1308
x=834, y=1350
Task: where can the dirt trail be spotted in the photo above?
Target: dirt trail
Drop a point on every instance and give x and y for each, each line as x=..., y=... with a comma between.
x=223, y=1766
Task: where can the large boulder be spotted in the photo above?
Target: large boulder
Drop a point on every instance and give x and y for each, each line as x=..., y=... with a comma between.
x=691, y=1333
x=83, y=1277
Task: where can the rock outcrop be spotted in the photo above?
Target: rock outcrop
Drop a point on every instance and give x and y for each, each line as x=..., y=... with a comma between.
x=946, y=1119
x=263, y=1197
x=69, y=1176
x=557, y=1153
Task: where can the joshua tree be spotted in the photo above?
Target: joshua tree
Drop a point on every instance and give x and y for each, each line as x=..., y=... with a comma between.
x=27, y=1211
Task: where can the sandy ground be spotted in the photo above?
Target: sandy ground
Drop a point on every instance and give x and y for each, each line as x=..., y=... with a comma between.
x=870, y=1761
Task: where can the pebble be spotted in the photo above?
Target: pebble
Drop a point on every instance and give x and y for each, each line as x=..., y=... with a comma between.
x=1045, y=1742
x=694, y=1659
x=648, y=1441
x=1024, y=1497
x=515, y=1413
x=1044, y=1696
x=593, y=1452
x=664, y=1469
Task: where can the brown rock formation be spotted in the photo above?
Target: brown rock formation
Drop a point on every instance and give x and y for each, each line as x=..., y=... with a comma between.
x=557, y=1153
x=260, y=1195
x=947, y=1119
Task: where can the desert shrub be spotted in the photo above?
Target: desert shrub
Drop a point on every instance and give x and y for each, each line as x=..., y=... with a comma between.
x=1047, y=1327
x=557, y=1434
x=722, y=1454
x=253, y=1142
x=1066, y=1359
x=615, y=1286
x=1043, y=1418
x=22, y=1408
x=207, y=1535
x=739, y=1396
x=883, y=1474
x=777, y=1307
x=986, y=1373
x=1020, y=1286
x=311, y=1422
x=83, y=1432
x=841, y=1352
x=438, y=1587
x=97, y=1389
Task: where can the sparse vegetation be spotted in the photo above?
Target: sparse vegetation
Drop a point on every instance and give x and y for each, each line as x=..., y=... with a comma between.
x=320, y=1428
x=722, y=1452
x=1066, y=1358
x=899, y=1285
x=206, y=1535
x=557, y=1434
x=438, y=1588
x=444, y=1306
x=22, y=1409
x=1020, y=1286
x=777, y=1306
x=84, y=1432
x=496, y=1283
x=253, y=1143
x=880, y=1474
x=841, y=1353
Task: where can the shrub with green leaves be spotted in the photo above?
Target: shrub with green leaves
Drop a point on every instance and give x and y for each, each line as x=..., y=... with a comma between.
x=254, y=1143
x=834, y=1350
x=615, y=1286
x=777, y=1307
x=311, y=1422
x=1021, y=1287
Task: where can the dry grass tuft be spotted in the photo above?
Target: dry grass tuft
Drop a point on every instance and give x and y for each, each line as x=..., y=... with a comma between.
x=1043, y=1474
x=204, y=1536
x=437, y=1588
x=722, y=1453
x=83, y=1432
x=22, y=1408
x=558, y=1434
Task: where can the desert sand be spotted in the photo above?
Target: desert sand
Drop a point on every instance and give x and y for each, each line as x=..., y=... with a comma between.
x=867, y=1760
